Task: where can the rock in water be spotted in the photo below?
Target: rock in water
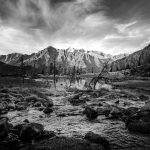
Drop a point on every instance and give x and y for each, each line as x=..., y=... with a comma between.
x=96, y=138
x=90, y=113
x=30, y=131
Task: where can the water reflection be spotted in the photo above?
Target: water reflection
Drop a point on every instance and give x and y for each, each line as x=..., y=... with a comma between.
x=79, y=83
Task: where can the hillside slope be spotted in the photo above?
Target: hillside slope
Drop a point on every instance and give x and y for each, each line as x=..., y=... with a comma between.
x=8, y=70
x=139, y=58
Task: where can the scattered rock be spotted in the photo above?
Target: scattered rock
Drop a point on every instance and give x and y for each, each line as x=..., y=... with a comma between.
x=48, y=110
x=77, y=96
x=127, y=103
x=117, y=102
x=90, y=113
x=143, y=97
x=96, y=138
x=41, y=108
x=146, y=106
x=20, y=107
x=31, y=98
x=45, y=135
x=49, y=103
x=11, y=106
x=30, y=131
x=130, y=111
x=65, y=143
x=4, y=95
x=77, y=102
x=37, y=104
x=4, y=128
x=11, y=142
x=4, y=91
x=26, y=121
x=139, y=122
x=115, y=113
x=104, y=110
x=100, y=104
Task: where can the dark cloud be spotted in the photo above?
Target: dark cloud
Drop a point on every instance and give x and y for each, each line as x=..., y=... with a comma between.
x=60, y=1
x=127, y=9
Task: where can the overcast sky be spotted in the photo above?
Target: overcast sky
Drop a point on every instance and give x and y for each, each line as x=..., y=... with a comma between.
x=110, y=26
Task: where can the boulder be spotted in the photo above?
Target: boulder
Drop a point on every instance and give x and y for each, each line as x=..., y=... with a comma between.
x=48, y=110
x=143, y=97
x=115, y=113
x=3, y=108
x=4, y=91
x=31, y=98
x=21, y=106
x=45, y=135
x=49, y=103
x=37, y=104
x=41, y=108
x=146, y=106
x=104, y=110
x=77, y=102
x=26, y=121
x=127, y=103
x=29, y=131
x=90, y=113
x=11, y=106
x=4, y=95
x=130, y=111
x=4, y=128
x=139, y=122
x=117, y=102
x=98, y=139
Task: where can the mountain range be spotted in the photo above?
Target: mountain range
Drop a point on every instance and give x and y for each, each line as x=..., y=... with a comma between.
x=89, y=61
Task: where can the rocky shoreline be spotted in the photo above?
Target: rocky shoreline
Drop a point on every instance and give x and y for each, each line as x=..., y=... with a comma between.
x=111, y=104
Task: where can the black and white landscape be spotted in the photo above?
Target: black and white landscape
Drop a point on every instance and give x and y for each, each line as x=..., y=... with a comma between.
x=74, y=75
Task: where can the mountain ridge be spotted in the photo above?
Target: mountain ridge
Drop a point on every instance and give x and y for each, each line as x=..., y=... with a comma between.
x=138, y=58
x=90, y=61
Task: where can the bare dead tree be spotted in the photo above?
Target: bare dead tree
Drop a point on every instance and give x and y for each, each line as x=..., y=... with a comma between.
x=54, y=67
x=66, y=54
x=34, y=68
x=22, y=68
x=100, y=75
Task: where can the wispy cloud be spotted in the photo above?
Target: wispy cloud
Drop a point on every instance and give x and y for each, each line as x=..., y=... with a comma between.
x=105, y=25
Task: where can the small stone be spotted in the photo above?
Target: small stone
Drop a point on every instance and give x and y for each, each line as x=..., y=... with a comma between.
x=48, y=110
x=26, y=121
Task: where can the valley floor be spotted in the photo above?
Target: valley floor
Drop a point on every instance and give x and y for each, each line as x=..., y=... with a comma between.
x=118, y=114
